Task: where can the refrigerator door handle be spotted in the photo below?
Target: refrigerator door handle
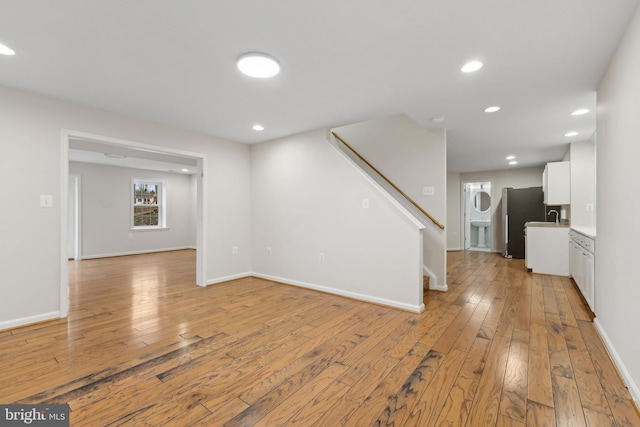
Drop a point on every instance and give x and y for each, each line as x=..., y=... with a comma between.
x=506, y=228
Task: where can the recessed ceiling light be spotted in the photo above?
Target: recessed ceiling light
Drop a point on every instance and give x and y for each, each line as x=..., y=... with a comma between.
x=513, y=162
x=580, y=112
x=115, y=156
x=492, y=109
x=471, y=66
x=258, y=65
x=571, y=134
x=438, y=119
x=510, y=157
x=257, y=127
x=5, y=50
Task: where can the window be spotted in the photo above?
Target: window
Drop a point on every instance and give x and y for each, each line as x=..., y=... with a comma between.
x=148, y=207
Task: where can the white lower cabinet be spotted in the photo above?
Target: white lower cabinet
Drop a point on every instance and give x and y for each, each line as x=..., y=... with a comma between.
x=582, y=265
x=546, y=248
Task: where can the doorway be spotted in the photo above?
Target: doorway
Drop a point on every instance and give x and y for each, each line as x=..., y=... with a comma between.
x=70, y=196
x=477, y=214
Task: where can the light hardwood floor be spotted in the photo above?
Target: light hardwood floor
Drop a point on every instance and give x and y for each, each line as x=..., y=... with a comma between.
x=144, y=346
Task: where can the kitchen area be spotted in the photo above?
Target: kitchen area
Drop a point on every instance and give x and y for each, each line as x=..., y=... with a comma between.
x=563, y=243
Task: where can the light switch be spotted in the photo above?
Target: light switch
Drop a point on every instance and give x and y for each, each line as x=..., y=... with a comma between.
x=365, y=203
x=428, y=191
x=46, y=201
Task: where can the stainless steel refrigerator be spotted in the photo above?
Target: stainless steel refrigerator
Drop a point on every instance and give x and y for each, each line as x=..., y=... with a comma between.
x=520, y=205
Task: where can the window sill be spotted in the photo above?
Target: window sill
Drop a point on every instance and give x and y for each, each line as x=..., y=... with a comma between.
x=149, y=229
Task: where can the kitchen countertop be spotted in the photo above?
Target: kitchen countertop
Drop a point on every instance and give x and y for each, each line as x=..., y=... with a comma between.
x=587, y=231
x=544, y=224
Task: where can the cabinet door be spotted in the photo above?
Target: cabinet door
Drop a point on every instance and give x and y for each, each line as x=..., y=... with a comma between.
x=589, y=279
x=579, y=267
x=556, y=180
x=572, y=259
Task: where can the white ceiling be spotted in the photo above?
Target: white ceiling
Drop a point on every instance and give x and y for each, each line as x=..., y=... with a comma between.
x=342, y=62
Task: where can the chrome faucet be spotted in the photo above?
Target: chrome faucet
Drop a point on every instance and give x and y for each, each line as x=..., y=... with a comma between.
x=557, y=219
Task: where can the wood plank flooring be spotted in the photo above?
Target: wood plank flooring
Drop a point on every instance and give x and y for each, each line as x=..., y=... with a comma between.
x=144, y=346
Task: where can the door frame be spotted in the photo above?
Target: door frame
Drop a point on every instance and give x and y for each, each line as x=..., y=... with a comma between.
x=201, y=203
x=77, y=223
x=465, y=211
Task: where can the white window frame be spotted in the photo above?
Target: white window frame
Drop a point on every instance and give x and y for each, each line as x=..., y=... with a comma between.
x=161, y=203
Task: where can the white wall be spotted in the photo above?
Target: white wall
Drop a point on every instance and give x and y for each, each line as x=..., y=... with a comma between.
x=514, y=178
x=454, y=232
x=31, y=165
x=583, y=184
x=412, y=158
x=617, y=286
x=106, y=211
x=306, y=200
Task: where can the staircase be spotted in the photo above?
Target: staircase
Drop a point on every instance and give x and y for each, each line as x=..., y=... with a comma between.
x=425, y=286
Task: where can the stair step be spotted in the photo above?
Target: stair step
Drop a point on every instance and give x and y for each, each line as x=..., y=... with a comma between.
x=425, y=282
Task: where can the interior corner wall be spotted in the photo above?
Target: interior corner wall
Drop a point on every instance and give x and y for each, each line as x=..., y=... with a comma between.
x=310, y=228
x=106, y=211
x=454, y=198
x=504, y=178
x=31, y=165
x=617, y=296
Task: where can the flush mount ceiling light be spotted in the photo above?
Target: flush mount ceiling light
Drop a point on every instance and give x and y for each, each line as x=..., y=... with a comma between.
x=580, y=112
x=438, y=119
x=5, y=50
x=115, y=156
x=492, y=109
x=184, y=170
x=258, y=65
x=257, y=127
x=571, y=134
x=510, y=157
x=471, y=66
x=513, y=162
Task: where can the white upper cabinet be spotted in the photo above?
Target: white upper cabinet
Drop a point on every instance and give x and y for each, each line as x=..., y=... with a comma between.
x=556, y=183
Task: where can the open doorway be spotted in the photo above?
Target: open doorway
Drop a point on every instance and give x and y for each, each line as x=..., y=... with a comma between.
x=477, y=206
x=135, y=154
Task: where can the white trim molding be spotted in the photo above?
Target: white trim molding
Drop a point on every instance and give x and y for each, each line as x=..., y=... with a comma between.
x=360, y=297
x=218, y=280
x=622, y=369
x=147, y=251
x=23, y=321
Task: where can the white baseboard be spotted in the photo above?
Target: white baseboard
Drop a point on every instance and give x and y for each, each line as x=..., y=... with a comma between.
x=631, y=385
x=353, y=295
x=228, y=278
x=458, y=249
x=147, y=251
x=23, y=321
x=441, y=288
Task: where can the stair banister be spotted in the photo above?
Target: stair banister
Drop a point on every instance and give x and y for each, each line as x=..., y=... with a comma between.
x=409, y=199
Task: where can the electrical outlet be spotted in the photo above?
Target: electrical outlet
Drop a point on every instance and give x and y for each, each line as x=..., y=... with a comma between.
x=234, y=250
x=269, y=251
x=365, y=203
x=321, y=257
x=589, y=207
